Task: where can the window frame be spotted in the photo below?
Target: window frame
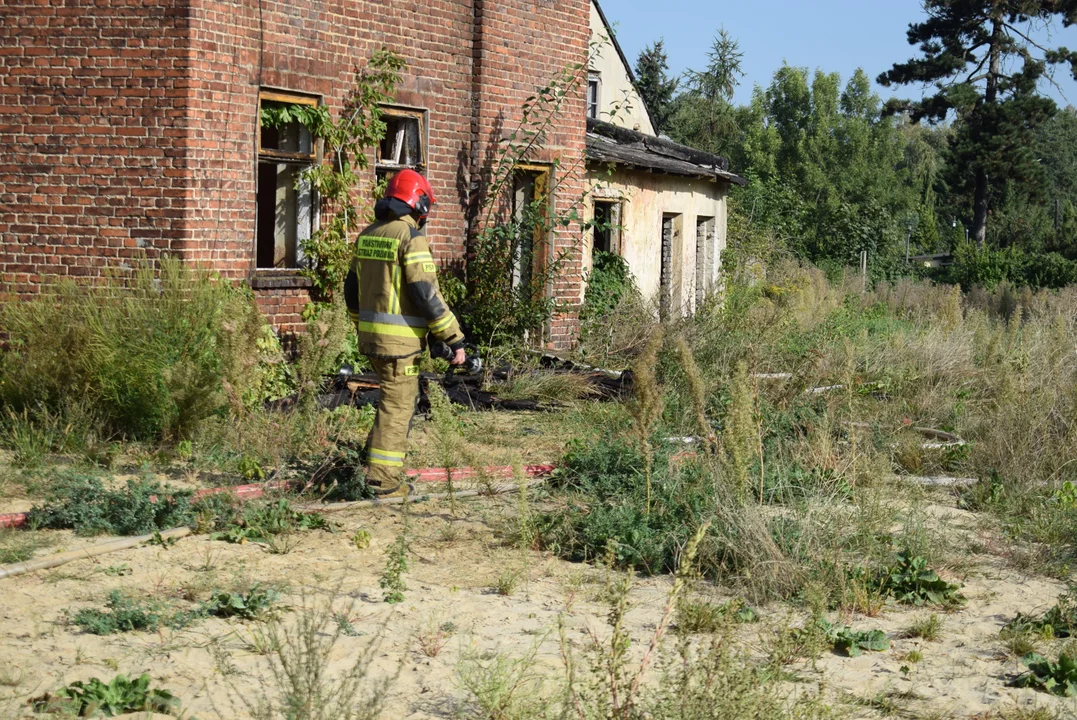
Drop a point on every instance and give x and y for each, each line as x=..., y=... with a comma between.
x=594, y=80
x=272, y=276
x=422, y=116
x=540, y=245
x=616, y=213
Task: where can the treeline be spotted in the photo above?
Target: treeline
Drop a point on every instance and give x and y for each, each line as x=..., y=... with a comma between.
x=985, y=171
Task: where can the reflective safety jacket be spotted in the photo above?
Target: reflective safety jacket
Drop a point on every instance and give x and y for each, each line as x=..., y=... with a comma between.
x=392, y=292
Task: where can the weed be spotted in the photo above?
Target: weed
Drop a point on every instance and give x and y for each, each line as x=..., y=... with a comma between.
x=507, y=582
x=20, y=545
x=913, y=656
x=83, y=504
x=431, y=639
x=300, y=671
x=847, y=641
x=648, y=406
x=254, y=604
x=152, y=353
x=273, y=523
x=344, y=625
x=611, y=503
x=695, y=616
x=1019, y=642
x=117, y=697
x=861, y=595
x=925, y=627
x=1057, y=678
x=544, y=386
x=1060, y=621
x=259, y=641
x=125, y=614
x=448, y=534
x=12, y=678
x=911, y=582
x=361, y=539
x=117, y=570
x=710, y=679
x=396, y=565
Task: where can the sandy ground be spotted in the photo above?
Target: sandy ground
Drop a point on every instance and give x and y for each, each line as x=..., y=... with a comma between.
x=455, y=565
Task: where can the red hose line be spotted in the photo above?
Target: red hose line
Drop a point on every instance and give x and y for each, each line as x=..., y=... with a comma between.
x=425, y=475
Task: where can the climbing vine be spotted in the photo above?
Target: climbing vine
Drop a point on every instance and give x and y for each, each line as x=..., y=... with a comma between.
x=510, y=265
x=340, y=180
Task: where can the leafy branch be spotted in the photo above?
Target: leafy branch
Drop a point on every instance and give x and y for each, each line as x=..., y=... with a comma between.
x=339, y=181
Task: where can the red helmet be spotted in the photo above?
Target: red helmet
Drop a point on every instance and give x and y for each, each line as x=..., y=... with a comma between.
x=412, y=189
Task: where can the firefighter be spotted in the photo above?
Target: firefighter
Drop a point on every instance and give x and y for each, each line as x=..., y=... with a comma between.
x=393, y=298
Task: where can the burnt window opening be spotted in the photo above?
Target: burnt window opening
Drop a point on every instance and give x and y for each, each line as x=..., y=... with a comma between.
x=607, y=226
x=530, y=199
x=594, y=85
x=404, y=144
x=705, y=251
x=286, y=203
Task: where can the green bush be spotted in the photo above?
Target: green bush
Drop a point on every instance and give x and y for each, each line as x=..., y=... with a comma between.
x=124, y=614
x=150, y=353
x=81, y=503
x=119, y=696
x=610, y=516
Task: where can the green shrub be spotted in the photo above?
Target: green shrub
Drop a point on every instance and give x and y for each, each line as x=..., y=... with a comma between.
x=151, y=353
x=125, y=614
x=911, y=582
x=1060, y=621
x=117, y=697
x=262, y=520
x=1057, y=678
x=81, y=503
x=610, y=515
x=250, y=605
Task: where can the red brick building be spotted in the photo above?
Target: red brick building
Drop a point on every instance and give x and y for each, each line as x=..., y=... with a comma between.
x=131, y=127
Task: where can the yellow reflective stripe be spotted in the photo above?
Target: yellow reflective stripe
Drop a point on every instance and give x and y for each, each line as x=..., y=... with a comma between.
x=394, y=330
x=387, y=463
x=443, y=323
x=387, y=454
x=411, y=371
x=372, y=247
x=418, y=257
x=394, y=295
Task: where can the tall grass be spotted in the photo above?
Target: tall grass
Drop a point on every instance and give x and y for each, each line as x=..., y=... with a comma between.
x=146, y=355
x=814, y=388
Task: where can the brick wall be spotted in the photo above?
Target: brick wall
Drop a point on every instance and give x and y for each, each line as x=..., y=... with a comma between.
x=92, y=134
x=139, y=119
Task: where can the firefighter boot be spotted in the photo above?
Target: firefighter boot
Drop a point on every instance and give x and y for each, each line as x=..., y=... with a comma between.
x=388, y=443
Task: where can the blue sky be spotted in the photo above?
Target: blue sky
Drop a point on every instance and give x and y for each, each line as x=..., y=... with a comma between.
x=832, y=35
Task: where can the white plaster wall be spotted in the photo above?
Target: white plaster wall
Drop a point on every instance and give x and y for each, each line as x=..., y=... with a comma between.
x=616, y=89
x=646, y=197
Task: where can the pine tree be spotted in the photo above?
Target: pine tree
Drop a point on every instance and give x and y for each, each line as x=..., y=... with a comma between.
x=983, y=63
x=655, y=85
x=704, y=115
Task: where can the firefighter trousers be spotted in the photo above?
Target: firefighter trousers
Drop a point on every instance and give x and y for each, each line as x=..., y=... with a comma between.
x=388, y=441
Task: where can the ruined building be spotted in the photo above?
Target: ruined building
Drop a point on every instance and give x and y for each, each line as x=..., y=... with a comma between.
x=131, y=128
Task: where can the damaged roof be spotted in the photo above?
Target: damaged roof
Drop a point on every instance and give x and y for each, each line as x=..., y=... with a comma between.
x=608, y=143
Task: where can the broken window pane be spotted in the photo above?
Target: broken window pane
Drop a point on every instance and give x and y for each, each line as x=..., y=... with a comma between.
x=285, y=214
x=607, y=221
x=286, y=203
x=402, y=145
